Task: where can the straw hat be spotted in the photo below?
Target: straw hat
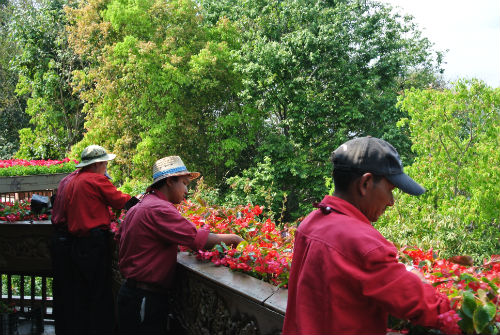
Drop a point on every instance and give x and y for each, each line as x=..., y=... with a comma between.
x=94, y=154
x=171, y=166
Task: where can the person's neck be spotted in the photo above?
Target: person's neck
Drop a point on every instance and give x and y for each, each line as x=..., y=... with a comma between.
x=346, y=196
x=93, y=169
x=165, y=191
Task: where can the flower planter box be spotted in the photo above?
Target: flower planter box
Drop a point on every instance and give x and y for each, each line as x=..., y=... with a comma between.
x=40, y=182
x=24, y=247
x=216, y=300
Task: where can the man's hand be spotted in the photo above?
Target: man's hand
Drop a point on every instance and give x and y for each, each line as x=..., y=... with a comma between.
x=229, y=239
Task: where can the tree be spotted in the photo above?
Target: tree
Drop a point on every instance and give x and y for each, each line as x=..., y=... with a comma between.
x=45, y=68
x=12, y=116
x=322, y=72
x=161, y=82
x=455, y=134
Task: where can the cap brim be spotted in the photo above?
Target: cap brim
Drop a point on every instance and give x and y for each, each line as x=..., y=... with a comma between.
x=406, y=184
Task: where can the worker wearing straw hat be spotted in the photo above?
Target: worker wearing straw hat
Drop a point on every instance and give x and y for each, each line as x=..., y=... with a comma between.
x=84, y=202
x=148, y=248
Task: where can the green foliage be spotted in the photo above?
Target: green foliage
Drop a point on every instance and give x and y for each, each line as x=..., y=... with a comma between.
x=230, y=83
x=257, y=186
x=134, y=187
x=12, y=116
x=456, y=136
x=204, y=194
x=16, y=285
x=478, y=314
x=160, y=91
x=320, y=73
x=45, y=68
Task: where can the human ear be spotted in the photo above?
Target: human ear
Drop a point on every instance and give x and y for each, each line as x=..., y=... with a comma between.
x=365, y=183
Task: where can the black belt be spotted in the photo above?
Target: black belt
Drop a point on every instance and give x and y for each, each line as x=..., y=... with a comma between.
x=132, y=283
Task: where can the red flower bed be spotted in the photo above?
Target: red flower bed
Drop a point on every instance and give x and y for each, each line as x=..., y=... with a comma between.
x=23, y=162
x=22, y=167
x=472, y=290
x=18, y=211
x=266, y=252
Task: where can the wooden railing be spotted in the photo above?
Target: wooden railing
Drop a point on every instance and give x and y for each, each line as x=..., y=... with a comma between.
x=25, y=267
x=25, y=263
x=32, y=302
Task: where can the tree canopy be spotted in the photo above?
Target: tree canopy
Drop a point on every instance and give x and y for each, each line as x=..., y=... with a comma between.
x=45, y=68
x=233, y=87
x=455, y=134
x=12, y=106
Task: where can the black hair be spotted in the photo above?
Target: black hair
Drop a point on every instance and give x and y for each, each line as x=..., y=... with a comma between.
x=159, y=184
x=342, y=178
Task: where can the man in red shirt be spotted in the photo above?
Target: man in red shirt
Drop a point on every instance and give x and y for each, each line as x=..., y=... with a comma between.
x=345, y=277
x=148, y=248
x=87, y=198
x=60, y=249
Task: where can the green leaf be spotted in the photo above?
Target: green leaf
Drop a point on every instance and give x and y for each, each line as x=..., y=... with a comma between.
x=219, y=248
x=469, y=304
x=241, y=246
x=482, y=316
x=467, y=277
x=492, y=285
x=465, y=323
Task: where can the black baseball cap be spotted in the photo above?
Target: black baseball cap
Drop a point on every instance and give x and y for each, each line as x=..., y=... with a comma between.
x=370, y=154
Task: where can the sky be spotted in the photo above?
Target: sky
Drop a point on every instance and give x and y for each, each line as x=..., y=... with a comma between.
x=469, y=30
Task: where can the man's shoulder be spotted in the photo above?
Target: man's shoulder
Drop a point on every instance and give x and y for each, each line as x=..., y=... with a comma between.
x=341, y=232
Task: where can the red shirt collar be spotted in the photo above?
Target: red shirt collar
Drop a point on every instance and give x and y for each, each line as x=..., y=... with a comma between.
x=344, y=207
x=159, y=195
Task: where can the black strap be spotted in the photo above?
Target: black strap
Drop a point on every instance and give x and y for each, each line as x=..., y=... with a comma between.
x=131, y=203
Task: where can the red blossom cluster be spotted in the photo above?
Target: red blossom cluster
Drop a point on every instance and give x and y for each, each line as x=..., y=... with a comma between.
x=266, y=252
x=473, y=290
x=117, y=217
x=22, y=162
x=448, y=323
x=19, y=211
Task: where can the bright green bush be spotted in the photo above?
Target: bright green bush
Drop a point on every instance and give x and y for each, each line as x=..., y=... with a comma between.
x=455, y=134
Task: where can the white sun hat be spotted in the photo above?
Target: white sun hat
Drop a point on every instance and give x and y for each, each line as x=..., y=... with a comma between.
x=94, y=154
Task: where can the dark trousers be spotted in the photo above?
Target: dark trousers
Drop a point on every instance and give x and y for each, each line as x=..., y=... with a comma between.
x=83, y=280
x=62, y=284
x=142, y=312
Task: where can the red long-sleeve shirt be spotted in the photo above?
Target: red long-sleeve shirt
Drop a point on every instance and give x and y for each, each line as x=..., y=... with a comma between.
x=87, y=197
x=58, y=216
x=346, y=279
x=149, y=238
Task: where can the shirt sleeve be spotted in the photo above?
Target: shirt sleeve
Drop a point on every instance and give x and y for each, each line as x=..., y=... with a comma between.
x=111, y=195
x=399, y=291
x=174, y=228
